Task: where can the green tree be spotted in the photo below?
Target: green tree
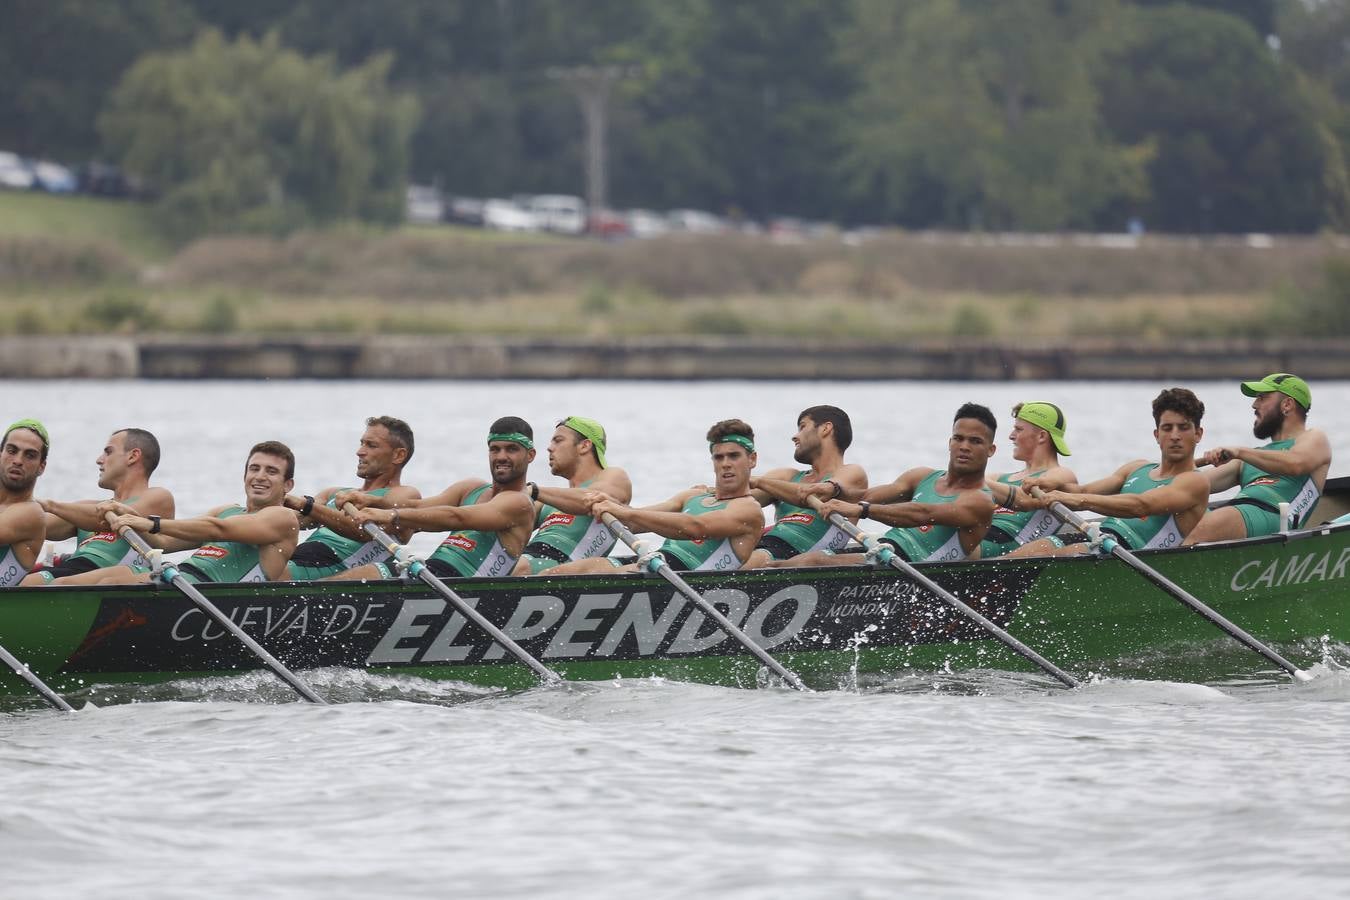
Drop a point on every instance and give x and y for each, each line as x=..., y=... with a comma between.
x=972, y=114
x=59, y=59
x=251, y=135
x=1238, y=145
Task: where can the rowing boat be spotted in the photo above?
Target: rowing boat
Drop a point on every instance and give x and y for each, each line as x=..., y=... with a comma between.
x=831, y=625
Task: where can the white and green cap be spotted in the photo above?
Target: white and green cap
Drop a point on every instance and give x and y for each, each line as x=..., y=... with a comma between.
x=1289, y=385
x=592, y=431
x=1047, y=416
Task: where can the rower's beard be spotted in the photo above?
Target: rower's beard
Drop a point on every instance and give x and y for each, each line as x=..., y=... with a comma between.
x=1269, y=425
x=804, y=454
x=17, y=485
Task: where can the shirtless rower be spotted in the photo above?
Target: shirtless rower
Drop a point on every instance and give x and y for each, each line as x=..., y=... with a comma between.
x=935, y=514
x=1037, y=440
x=1291, y=469
x=386, y=447
x=237, y=543
x=1149, y=505
x=566, y=529
x=489, y=521
x=823, y=434
x=23, y=528
x=705, y=530
x=129, y=458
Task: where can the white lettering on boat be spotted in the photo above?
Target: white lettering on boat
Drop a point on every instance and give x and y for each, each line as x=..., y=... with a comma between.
x=519, y=628
x=802, y=596
x=648, y=631
x=260, y=620
x=734, y=604
x=389, y=649
x=580, y=620
x=1296, y=570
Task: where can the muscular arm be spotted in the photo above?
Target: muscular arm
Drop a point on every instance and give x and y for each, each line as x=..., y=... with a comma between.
x=777, y=485
x=504, y=511
x=970, y=509
x=22, y=522
x=326, y=516
x=1311, y=452
x=1223, y=475
x=898, y=491
x=84, y=514
x=1185, y=492
x=266, y=526
x=612, y=481
x=740, y=517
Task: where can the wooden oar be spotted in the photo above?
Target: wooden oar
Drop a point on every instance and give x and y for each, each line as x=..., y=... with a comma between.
x=1176, y=591
x=418, y=569
x=657, y=563
x=886, y=555
x=171, y=574
x=38, y=684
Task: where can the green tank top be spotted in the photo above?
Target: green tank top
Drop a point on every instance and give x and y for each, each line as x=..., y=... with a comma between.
x=929, y=542
x=228, y=561
x=575, y=536
x=804, y=529
x=1299, y=491
x=106, y=548
x=1026, y=525
x=704, y=555
x=1150, y=532
x=472, y=552
x=351, y=552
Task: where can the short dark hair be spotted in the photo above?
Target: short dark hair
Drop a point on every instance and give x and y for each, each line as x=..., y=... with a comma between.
x=843, y=428
x=1178, y=400
x=723, y=429
x=512, y=425
x=400, y=433
x=274, y=448
x=980, y=413
x=144, y=441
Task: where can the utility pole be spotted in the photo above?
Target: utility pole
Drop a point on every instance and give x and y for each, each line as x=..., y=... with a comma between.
x=591, y=86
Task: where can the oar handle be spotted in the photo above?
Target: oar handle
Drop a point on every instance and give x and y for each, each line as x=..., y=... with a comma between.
x=1176, y=591
x=948, y=597
x=420, y=570
x=177, y=580
x=658, y=564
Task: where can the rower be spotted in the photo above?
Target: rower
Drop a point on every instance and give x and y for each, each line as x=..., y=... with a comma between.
x=566, y=529
x=489, y=521
x=385, y=448
x=1037, y=440
x=935, y=514
x=823, y=434
x=237, y=543
x=1150, y=505
x=23, y=528
x=130, y=456
x=705, y=529
x=1291, y=469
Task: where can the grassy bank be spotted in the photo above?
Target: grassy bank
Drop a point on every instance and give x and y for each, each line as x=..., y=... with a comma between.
x=72, y=265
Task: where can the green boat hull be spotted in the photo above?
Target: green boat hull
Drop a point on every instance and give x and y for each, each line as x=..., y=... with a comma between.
x=833, y=626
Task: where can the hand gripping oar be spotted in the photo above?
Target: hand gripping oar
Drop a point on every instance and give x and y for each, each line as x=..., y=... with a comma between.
x=1112, y=546
x=38, y=684
x=655, y=562
x=418, y=569
x=171, y=574
x=886, y=555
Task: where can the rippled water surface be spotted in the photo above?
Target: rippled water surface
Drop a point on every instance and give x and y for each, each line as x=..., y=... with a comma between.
x=981, y=785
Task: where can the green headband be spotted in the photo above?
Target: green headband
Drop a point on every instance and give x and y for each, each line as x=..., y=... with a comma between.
x=741, y=439
x=514, y=437
x=34, y=426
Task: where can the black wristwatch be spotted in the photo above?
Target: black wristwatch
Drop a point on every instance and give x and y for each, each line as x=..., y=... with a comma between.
x=534, y=491
x=154, y=524
x=308, y=507
x=864, y=508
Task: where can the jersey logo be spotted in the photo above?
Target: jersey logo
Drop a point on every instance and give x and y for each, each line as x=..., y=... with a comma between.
x=105, y=537
x=924, y=529
x=1265, y=480
x=561, y=519
x=459, y=541
x=211, y=551
x=797, y=519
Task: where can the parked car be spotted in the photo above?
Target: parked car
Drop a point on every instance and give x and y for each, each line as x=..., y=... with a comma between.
x=15, y=174
x=559, y=213
x=607, y=223
x=424, y=205
x=464, y=210
x=643, y=223
x=53, y=178
x=106, y=180
x=695, y=221
x=506, y=215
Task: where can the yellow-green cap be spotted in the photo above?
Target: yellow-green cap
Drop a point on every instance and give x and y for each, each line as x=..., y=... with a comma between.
x=1289, y=385
x=34, y=426
x=592, y=431
x=1047, y=416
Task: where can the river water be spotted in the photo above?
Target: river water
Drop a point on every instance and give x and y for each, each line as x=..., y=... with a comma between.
x=979, y=785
